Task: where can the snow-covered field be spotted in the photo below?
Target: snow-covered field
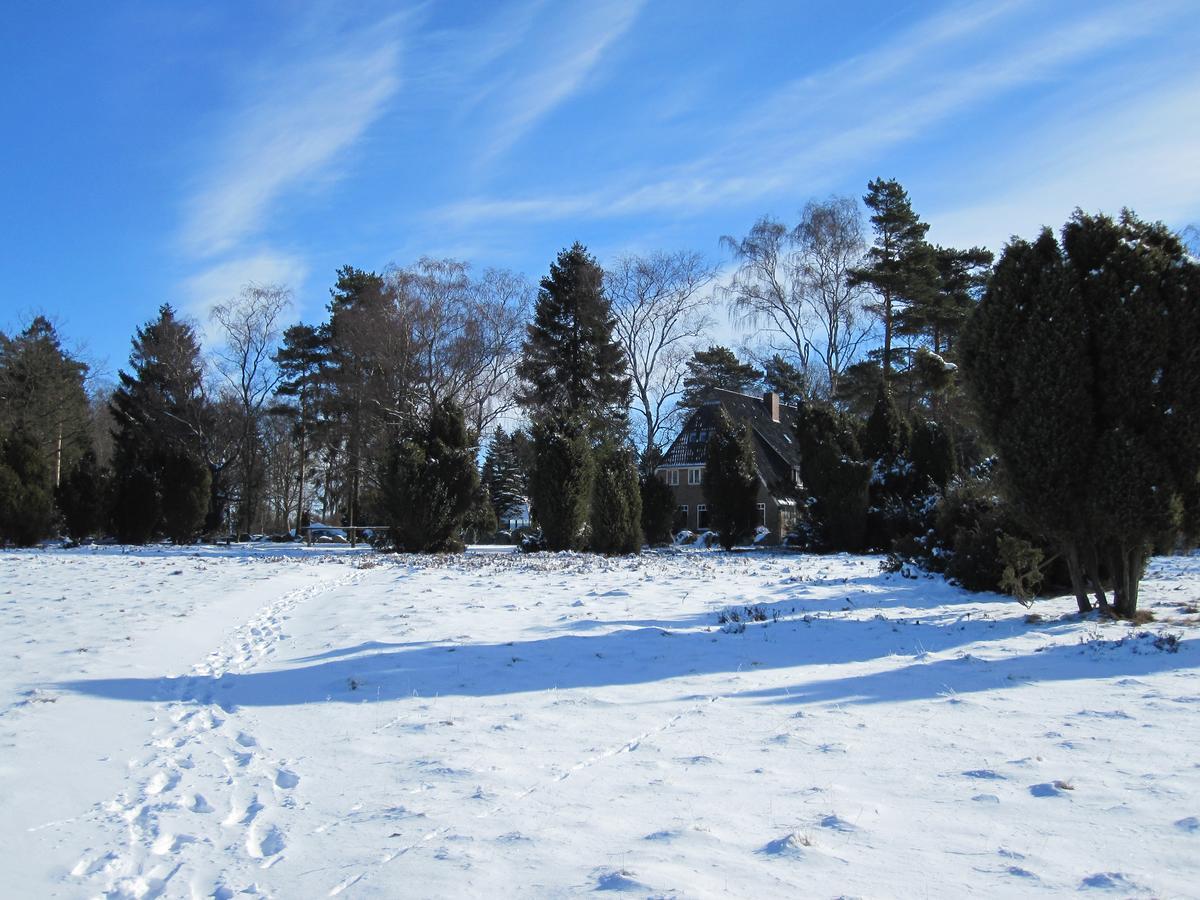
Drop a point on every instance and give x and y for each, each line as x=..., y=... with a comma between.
x=311, y=723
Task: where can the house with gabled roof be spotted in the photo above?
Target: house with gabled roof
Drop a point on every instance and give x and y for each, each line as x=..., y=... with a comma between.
x=772, y=425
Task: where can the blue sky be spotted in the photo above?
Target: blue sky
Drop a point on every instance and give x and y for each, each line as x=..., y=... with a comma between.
x=161, y=151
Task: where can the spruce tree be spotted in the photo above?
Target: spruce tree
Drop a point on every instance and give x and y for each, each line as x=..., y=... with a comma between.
x=561, y=483
x=901, y=267
x=616, y=515
x=731, y=481
x=716, y=367
x=161, y=418
x=1083, y=358
x=504, y=477
x=430, y=483
x=571, y=363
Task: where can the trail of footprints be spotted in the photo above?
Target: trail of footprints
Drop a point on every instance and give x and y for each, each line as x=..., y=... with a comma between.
x=204, y=790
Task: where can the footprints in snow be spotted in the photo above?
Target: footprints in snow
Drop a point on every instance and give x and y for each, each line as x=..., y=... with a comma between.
x=164, y=819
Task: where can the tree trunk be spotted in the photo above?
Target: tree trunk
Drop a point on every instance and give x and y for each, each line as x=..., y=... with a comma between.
x=1093, y=572
x=1077, y=585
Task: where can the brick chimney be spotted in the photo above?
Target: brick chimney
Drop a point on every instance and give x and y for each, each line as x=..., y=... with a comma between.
x=771, y=402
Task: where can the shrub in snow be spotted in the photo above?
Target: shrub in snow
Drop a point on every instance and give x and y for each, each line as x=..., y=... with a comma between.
x=616, y=517
x=835, y=475
x=658, y=509
x=26, y=503
x=429, y=483
x=561, y=486
x=731, y=480
x=1082, y=360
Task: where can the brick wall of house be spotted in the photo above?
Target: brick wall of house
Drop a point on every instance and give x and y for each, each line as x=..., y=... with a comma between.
x=692, y=496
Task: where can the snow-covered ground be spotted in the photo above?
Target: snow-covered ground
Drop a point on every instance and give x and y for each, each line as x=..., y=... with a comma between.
x=305, y=723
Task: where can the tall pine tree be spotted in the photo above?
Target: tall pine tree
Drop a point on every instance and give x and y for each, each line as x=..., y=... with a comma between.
x=716, y=367
x=901, y=267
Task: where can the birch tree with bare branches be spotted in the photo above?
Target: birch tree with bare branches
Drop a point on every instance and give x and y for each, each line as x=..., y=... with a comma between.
x=662, y=307
x=794, y=286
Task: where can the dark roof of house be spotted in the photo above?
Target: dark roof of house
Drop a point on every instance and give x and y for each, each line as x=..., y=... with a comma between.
x=775, y=447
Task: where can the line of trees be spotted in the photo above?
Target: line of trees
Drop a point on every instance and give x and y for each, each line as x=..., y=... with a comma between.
x=1018, y=426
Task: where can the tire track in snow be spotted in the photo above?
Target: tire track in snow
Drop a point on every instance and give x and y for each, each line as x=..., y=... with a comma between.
x=163, y=814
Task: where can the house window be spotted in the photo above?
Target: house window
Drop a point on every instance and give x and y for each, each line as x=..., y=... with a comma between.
x=695, y=476
x=701, y=516
x=673, y=477
x=681, y=518
x=762, y=514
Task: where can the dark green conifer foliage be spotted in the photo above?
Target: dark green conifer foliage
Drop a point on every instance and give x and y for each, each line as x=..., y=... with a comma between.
x=716, y=367
x=937, y=315
x=571, y=364
x=184, y=485
x=1084, y=360
x=504, y=476
x=561, y=485
x=933, y=456
x=790, y=383
x=26, y=501
x=834, y=473
x=161, y=418
x=901, y=268
x=81, y=498
x=658, y=509
x=430, y=483
x=731, y=481
x=616, y=517
x=886, y=437
x=42, y=397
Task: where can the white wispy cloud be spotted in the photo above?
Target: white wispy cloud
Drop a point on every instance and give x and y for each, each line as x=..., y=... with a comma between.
x=1139, y=151
x=541, y=66
x=225, y=280
x=812, y=131
x=301, y=117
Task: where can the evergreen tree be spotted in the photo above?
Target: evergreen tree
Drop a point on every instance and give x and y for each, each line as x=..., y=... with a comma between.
x=938, y=315
x=731, y=481
x=430, y=483
x=933, y=456
x=886, y=437
x=658, y=509
x=616, y=515
x=561, y=484
x=572, y=364
x=790, y=383
x=901, y=267
x=716, y=367
x=161, y=418
x=26, y=503
x=835, y=475
x=504, y=476
x=42, y=397
x=1084, y=359
x=302, y=360
x=81, y=498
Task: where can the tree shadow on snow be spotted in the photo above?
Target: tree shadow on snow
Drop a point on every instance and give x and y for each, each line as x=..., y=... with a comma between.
x=375, y=671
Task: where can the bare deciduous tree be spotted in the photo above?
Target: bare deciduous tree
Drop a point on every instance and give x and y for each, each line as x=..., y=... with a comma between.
x=662, y=308
x=794, y=286
x=249, y=335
